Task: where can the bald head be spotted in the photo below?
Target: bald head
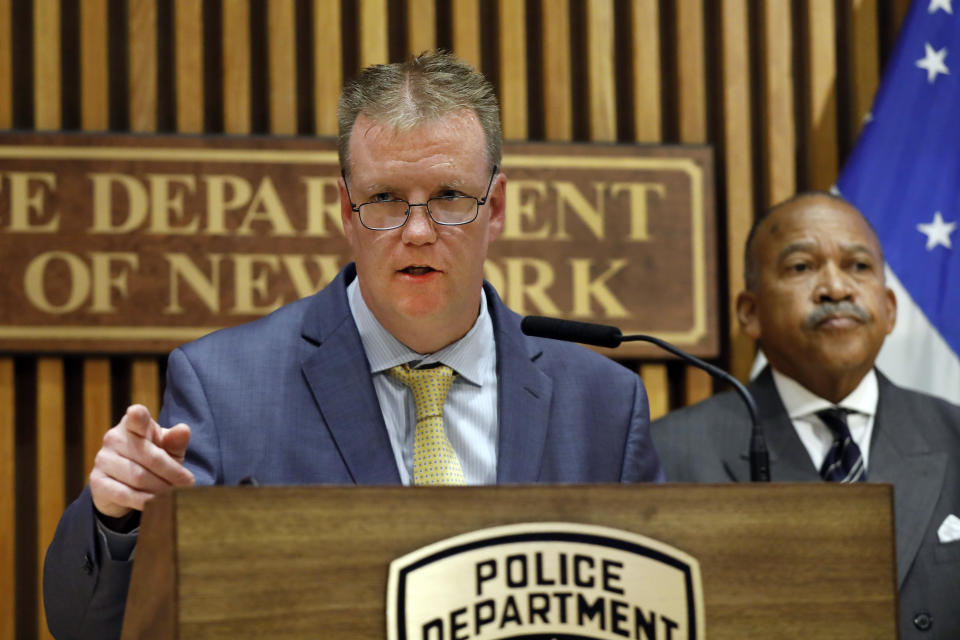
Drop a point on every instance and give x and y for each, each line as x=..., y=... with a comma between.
x=816, y=300
x=768, y=222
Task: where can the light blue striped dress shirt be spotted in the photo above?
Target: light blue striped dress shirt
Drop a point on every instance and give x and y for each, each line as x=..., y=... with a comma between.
x=470, y=411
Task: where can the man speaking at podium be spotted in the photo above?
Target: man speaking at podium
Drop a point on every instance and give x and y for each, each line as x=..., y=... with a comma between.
x=407, y=368
x=817, y=303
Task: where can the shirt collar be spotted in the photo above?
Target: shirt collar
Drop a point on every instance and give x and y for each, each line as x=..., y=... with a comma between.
x=467, y=356
x=800, y=401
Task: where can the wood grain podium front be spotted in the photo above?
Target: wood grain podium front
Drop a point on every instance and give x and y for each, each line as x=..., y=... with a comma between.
x=777, y=560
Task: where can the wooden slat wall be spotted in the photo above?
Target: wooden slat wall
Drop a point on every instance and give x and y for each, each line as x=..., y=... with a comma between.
x=374, y=30
x=557, y=94
x=466, y=30
x=8, y=448
x=282, y=39
x=188, y=35
x=692, y=112
x=94, y=116
x=779, y=149
x=8, y=504
x=737, y=158
x=50, y=433
x=778, y=87
x=648, y=90
x=512, y=46
x=236, y=66
x=862, y=68
x=327, y=65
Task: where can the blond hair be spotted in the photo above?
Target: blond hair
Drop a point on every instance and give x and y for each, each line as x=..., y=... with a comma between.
x=423, y=88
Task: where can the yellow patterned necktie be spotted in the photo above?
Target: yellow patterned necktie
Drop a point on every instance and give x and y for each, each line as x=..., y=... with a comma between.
x=434, y=460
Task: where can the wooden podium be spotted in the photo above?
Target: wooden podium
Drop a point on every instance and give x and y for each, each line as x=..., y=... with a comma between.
x=777, y=560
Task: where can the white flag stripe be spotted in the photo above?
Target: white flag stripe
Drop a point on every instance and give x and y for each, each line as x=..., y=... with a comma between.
x=915, y=340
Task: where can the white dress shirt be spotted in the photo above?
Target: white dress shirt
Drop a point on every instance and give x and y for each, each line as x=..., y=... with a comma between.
x=470, y=411
x=802, y=406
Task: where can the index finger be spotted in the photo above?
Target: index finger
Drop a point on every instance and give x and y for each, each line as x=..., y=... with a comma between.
x=138, y=421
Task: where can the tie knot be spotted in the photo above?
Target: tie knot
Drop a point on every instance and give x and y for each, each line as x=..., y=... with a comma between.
x=429, y=386
x=835, y=419
x=844, y=460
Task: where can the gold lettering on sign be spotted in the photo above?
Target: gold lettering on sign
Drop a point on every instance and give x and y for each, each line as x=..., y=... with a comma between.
x=161, y=240
x=104, y=207
x=206, y=287
x=218, y=203
x=296, y=268
x=107, y=273
x=266, y=207
x=591, y=215
x=585, y=289
x=522, y=197
x=516, y=287
x=255, y=279
x=105, y=280
x=34, y=280
x=639, y=197
x=166, y=210
x=28, y=211
x=320, y=209
x=251, y=280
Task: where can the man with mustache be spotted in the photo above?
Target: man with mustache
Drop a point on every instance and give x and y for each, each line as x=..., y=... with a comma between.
x=329, y=389
x=817, y=303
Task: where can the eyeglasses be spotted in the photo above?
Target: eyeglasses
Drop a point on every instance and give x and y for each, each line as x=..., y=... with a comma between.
x=383, y=215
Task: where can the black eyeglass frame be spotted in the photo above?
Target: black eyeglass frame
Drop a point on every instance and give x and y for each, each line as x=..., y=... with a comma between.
x=426, y=205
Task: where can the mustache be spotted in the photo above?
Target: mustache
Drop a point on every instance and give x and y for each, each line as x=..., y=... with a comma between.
x=842, y=308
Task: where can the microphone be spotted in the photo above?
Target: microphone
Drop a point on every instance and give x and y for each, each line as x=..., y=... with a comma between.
x=601, y=335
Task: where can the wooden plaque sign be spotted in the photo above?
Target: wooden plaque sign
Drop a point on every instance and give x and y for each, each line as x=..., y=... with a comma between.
x=140, y=243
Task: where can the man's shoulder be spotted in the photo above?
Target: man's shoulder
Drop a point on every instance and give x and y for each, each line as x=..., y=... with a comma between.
x=561, y=359
x=725, y=407
x=554, y=356
x=564, y=358
x=278, y=325
x=927, y=410
x=913, y=396
x=305, y=317
x=699, y=443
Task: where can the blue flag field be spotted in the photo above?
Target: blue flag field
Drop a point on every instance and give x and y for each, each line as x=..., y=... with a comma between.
x=904, y=175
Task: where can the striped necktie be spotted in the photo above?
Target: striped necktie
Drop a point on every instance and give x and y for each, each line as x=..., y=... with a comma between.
x=844, y=462
x=434, y=460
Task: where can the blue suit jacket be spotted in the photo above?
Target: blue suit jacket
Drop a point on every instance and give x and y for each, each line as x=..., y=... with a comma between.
x=289, y=399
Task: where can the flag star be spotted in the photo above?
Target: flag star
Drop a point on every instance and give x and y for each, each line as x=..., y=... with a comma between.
x=868, y=117
x=940, y=4
x=933, y=62
x=937, y=232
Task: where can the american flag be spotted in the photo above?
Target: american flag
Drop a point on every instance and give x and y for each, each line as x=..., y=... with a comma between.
x=904, y=175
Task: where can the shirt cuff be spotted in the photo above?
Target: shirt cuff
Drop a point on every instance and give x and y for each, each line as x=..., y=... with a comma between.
x=118, y=546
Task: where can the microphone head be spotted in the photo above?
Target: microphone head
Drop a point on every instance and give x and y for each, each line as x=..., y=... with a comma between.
x=599, y=335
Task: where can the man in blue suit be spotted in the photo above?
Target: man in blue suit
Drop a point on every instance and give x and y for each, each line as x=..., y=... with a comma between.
x=319, y=391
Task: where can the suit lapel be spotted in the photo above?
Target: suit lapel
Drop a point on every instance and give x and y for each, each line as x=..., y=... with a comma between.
x=789, y=461
x=339, y=378
x=901, y=457
x=898, y=455
x=524, y=394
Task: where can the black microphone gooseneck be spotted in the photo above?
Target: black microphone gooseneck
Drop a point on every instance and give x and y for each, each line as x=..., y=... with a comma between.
x=601, y=335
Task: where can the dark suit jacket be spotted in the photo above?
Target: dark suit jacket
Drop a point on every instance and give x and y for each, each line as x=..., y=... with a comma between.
x=915, y=447
x=289, y=399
